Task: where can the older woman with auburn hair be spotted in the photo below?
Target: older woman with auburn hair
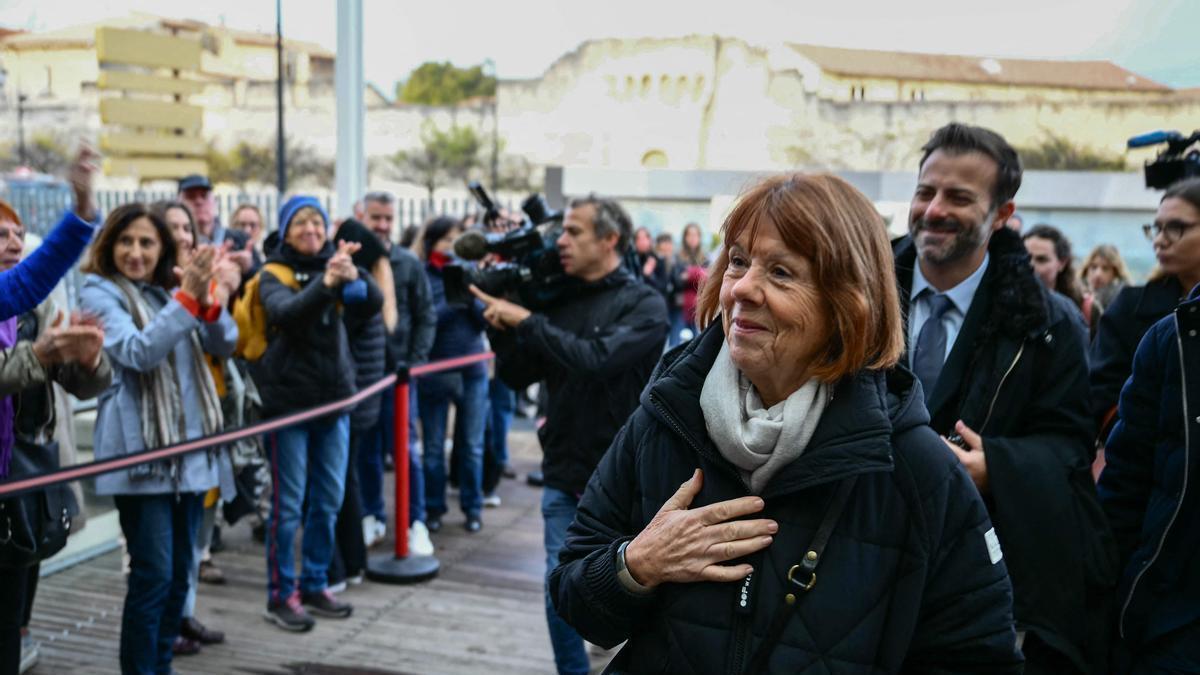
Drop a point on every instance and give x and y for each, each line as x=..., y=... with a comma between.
x=778, y=502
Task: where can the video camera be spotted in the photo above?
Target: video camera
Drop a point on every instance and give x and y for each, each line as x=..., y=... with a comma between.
x=530, y=268
x=1173, y=164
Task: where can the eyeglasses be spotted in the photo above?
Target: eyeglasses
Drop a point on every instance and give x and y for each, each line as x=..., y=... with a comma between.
x=1171, y=230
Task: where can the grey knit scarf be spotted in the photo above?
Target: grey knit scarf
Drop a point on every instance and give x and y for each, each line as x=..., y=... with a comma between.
x=161, y=408
x=759, y=441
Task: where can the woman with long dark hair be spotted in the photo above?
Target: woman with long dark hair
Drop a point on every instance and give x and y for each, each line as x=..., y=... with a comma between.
x=459, y=333
x=158, y=330
x=1050, y=253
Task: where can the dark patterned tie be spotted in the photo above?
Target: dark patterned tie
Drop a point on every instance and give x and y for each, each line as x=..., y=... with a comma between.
x=930, y=351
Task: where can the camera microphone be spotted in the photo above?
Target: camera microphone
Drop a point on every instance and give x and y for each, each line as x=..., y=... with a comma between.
x=471, y=245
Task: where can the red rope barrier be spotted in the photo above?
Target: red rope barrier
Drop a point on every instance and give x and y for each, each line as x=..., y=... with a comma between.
x=91, y=469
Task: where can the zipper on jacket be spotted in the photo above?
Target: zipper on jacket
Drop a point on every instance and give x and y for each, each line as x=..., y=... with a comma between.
x=991, y=408
x=1162, y=541
x=679, y=431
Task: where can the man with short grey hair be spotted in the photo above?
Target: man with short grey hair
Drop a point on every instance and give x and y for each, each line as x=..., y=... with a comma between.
x=408, y=345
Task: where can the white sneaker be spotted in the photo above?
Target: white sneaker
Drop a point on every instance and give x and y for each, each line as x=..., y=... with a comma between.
x=418, y=539
x=492, y=500
x=380, y=531
x=370, y=538
x=29, y=653
x=339, y=587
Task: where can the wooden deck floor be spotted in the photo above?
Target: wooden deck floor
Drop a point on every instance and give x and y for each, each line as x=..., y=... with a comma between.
x=484, y=612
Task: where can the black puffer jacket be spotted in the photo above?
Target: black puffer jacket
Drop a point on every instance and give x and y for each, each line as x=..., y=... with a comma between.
x=907, y=582
x=595, y=352
x=308, y=360
x=367, y=333
x=1017, y=375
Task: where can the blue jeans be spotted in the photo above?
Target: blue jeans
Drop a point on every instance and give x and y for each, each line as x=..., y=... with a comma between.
x=200, y=543
x=374, y=442
x=159, y=534
x=307, y=459
x=416, y=470
x=558, y=510
x=467, y=390
x=501, y=404
x=675, y=315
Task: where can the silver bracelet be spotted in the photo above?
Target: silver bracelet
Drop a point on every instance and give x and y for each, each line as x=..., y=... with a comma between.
x=627, y=581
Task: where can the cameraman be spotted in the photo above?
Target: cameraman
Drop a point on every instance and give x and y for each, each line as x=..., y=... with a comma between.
x=595, y=351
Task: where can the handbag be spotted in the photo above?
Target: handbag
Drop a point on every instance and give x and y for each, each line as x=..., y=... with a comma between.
x=35, y=525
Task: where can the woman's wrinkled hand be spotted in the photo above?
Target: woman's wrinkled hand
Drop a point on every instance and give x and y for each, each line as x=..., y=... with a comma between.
x=683, y=545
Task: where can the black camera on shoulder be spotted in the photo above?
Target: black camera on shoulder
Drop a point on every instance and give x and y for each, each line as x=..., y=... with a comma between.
x=1181, y=158
x=529, y=267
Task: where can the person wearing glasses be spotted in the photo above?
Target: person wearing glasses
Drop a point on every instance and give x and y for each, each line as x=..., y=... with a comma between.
x=1144, y=487
x=1176, y=244
x=248, y=219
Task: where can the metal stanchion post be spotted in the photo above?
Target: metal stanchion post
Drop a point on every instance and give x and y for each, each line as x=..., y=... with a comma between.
x=400, y=567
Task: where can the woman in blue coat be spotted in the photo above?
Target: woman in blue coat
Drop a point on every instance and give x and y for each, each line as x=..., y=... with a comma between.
x=459, y=333
x=156, y=332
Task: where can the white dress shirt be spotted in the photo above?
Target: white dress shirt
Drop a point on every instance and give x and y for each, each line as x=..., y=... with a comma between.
x=960, y=298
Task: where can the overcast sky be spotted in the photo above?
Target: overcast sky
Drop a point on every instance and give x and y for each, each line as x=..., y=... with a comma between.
x=1156, y=38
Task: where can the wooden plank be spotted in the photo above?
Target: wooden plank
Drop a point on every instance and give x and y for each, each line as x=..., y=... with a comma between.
x=153, y=167
x=158, y=114
x=483, y=614
x=119, y=143
x=130, y=81
x=142, y=48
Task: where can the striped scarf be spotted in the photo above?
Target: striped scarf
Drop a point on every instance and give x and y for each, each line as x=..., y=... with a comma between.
x=162, y=411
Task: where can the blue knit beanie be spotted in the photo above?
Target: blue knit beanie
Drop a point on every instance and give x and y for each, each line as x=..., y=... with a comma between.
x=291, y=206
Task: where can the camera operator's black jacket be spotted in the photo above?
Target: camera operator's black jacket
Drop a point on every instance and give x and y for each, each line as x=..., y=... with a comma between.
x=1017, y=375
x=595, y=351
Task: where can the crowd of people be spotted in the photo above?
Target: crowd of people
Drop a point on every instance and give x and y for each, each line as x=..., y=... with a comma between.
x=953, y=451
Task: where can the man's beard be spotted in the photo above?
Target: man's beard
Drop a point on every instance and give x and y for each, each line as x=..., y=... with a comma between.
x=962, y=243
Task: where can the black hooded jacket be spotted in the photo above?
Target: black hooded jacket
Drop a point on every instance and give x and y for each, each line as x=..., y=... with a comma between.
x=307, y=362
x=1017, y=375
x=595, y=352
x=907, y=581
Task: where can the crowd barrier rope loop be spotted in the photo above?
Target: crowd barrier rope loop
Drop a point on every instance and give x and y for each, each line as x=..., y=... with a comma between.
x=409, y=568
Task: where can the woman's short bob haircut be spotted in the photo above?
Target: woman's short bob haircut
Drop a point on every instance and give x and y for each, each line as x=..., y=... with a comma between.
x=100, y=257
x=834, y=226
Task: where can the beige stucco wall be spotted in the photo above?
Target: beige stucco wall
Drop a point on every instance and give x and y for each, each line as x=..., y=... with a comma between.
x=689, y=103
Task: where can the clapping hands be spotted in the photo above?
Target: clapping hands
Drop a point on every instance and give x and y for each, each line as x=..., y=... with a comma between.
x=340, y=268
x=211, y=275
x=79, y=339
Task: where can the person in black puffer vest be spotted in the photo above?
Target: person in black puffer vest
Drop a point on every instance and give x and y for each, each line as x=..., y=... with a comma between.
x=307, y=363
x=821, y=525
x=368, y=336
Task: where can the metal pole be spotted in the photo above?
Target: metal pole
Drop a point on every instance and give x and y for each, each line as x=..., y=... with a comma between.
x=400, y=462
x=21, y=129
x=280, y=138
x=351, y=168
x=495, y=129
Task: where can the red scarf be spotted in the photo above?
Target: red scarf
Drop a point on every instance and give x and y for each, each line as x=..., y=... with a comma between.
x=439, y=259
